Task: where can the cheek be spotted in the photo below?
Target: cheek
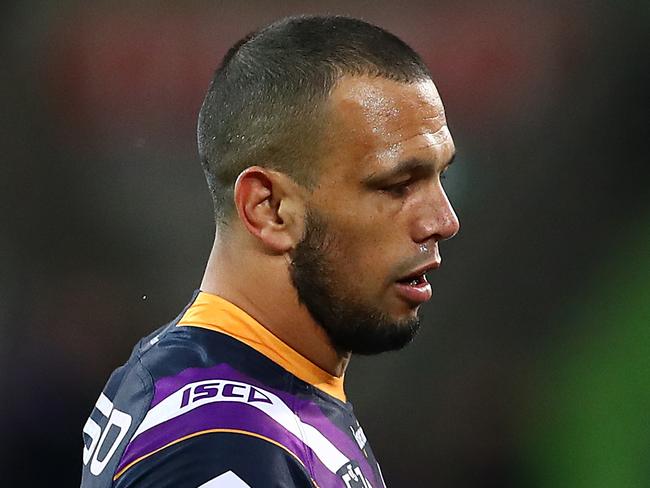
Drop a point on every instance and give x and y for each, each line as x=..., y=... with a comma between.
x=363, y=255
x=376, y=236
x=367, y=237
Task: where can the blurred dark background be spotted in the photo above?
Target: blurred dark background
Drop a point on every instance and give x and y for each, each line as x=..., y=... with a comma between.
x=533, y=365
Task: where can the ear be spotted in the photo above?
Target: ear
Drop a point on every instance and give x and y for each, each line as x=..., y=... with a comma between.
x=269, y=206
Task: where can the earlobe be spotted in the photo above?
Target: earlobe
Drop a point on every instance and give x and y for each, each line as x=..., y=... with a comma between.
x=264, y=208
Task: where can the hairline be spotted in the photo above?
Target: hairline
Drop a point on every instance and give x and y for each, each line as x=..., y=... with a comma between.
x=322, y=107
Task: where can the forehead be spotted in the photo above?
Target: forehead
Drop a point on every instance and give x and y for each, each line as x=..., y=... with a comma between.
x=375, y=123
x=381, y=100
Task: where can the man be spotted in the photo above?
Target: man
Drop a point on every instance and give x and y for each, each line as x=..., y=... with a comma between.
x=323, y=140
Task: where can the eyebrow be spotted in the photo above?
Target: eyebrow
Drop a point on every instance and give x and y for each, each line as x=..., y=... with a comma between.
x=420, y=166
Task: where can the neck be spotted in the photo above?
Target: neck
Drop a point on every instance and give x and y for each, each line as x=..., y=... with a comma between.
x=261, y=285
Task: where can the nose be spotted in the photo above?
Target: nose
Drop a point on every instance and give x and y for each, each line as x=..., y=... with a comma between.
x=436, y=219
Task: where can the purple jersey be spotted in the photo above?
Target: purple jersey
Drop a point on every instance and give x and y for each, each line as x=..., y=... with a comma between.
x=212, y=400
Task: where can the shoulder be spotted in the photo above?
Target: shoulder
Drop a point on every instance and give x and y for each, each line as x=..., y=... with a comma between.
x=218, y=459
x=208, y=403
x=208, y=420
x=155, y=365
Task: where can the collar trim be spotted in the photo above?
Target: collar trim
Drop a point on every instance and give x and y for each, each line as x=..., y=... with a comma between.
x=215, y=313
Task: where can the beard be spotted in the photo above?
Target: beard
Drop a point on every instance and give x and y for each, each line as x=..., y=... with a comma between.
x=351, y=326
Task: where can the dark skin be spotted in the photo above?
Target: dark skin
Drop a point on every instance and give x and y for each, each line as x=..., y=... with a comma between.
x=386, y=147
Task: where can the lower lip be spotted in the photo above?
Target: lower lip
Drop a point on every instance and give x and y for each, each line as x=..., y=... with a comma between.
x=415, y=294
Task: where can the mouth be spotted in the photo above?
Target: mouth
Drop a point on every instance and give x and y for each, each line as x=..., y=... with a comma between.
x=413, y=280
x=414, y=287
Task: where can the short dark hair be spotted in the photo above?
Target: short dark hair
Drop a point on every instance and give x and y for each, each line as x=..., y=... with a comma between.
x=263, y=104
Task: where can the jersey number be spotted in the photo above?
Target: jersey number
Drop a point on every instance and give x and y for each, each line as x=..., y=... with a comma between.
x=117, y=419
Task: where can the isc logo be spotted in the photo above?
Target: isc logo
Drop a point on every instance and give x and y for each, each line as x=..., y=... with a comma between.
x=219, y=390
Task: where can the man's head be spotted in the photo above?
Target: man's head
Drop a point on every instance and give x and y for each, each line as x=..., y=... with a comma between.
x=325, y=138
x=265, y=105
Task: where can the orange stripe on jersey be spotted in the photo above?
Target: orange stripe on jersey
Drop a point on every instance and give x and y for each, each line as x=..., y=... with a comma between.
x=209, y=431
x=215, y=313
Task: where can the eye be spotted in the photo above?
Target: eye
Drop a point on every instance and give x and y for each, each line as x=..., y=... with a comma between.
x=398, y=189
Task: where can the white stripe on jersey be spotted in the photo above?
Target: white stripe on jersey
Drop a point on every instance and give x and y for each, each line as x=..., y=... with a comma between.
x=176, y=405
x=226, y=480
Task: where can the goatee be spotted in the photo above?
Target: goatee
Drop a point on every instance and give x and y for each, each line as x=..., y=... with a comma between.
x=350, y=325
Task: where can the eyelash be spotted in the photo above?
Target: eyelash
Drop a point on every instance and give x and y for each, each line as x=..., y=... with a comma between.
x=401, y=189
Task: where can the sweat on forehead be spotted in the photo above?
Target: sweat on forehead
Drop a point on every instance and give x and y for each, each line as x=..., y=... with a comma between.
x=381, y=102
x=377, y=119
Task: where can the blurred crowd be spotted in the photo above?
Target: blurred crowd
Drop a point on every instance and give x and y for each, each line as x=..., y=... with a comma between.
x=531, y=368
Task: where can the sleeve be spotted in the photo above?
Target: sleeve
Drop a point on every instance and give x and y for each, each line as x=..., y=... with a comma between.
x=218, y=460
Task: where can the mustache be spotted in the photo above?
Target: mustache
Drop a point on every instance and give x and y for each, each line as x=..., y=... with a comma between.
x=409, y=265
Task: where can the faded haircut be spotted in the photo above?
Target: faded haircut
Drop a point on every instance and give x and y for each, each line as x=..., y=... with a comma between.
x=264, y=105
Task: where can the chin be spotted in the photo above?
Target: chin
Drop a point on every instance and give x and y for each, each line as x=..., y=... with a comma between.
x=404, y=311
